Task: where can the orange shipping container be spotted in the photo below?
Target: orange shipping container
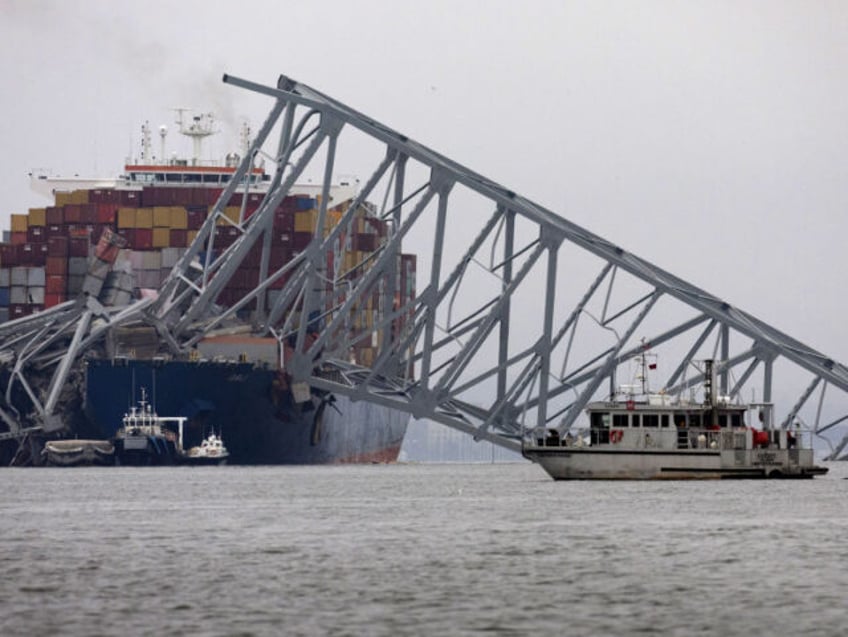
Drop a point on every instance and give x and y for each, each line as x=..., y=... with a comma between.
x=144, y=218
x=179, y=218
x=20, y=223
x=305, y=220
x=126, y=217
x=37, y=216
x=161, y=237
x=161, y=217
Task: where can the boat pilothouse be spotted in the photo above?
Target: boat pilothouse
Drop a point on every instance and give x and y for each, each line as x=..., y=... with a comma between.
x=656, y=436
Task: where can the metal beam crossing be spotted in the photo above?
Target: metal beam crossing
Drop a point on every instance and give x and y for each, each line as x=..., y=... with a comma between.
x=519, y=317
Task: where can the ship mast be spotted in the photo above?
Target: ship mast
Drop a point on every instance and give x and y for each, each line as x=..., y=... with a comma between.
x=201, y=127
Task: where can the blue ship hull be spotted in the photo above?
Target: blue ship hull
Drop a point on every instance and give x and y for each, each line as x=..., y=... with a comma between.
x=249, y=407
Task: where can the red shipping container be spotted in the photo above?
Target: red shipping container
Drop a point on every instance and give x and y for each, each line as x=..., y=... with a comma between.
x=26, y=254
x=106, y=213
x=196, y=217
x=142, y=239
x=88, y=213
x=8, y=255
x=56, y=284
x=284, y=220
x=57, y=246
x=182, y=197
x=178, y=238
x=19, y=311
x=51, y=299
x=280, y=255
x=73, y=213
x=129, y=198
x=56, y=266
x=18, y=238
x=40, y=254
x=300, y=240
x=78, y=246
x=280, y=283
x=36, y=234
x=55, y=216
x=100, y=196
x=212, y=195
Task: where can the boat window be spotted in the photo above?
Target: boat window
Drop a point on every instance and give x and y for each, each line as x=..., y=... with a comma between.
x=225, y=178
x=210, y=179
x=652, y=420
x=599, y=419
x=694, y=420
x=193, y=178
x=634, y=420
x=160, y=177
x=736, y=419
x=619, y=420
x=664, y=420
x=173, y=178
x=722, y=420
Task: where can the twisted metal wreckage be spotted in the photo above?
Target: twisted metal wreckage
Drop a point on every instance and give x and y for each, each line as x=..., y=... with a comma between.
x=497, y=307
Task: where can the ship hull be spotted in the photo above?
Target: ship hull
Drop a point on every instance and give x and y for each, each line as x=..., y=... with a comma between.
x=608, y=464
x=248, y=404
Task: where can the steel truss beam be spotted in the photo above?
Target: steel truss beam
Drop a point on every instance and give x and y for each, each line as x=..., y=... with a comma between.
x=492, y=347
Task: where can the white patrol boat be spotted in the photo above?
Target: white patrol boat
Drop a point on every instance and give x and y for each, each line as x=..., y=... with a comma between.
x=210, y=451
x=660, y=438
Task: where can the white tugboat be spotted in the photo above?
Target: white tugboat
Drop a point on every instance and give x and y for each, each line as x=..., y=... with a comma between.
x=145, y=438
x=652, y=437
x=211, y=451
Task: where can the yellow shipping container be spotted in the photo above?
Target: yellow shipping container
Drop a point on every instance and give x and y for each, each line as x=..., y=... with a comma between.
x=64, y=198
x=179, y=218
x=37, y=217
x=305, y=220
x=126, y=217
x=161, y=237
x=144, y=218
x=230, y=212
x=161, y=217
x=191, y=235
x=19, y=223
x=79, y=196
x=333, y=218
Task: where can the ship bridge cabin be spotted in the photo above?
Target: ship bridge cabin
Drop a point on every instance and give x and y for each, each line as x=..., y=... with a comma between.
x=657, y=423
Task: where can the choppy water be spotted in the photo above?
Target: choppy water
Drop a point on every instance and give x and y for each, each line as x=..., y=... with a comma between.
x=416, y=550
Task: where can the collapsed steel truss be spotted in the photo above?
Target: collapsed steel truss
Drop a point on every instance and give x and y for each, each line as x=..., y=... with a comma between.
x=520, y=317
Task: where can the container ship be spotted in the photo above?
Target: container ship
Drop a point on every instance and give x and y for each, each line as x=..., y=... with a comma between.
x=118, y=239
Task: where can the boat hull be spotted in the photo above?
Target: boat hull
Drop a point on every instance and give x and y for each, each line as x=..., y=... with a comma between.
x=251, y=409
x=619, y=464
x=78, y=453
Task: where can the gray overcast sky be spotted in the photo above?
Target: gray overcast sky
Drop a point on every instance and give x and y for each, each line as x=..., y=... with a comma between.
x=708, y=137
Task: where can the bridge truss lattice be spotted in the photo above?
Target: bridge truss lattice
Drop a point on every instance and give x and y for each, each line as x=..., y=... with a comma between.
x=518, y=320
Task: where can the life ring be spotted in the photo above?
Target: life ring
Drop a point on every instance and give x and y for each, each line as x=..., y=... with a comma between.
x=616, y=435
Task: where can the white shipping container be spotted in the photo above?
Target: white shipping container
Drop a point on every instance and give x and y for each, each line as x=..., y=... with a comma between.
x=254, y=350
x=77, y=266
x=36, y=277
x=92, y=285
x=75, y=283
x=170, y=256
x=19, y=275
x=151, y=260
x=36, y=295
x=18, y=295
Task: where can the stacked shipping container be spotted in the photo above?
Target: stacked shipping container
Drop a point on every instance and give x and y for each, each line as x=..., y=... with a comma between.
x=108, y=242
